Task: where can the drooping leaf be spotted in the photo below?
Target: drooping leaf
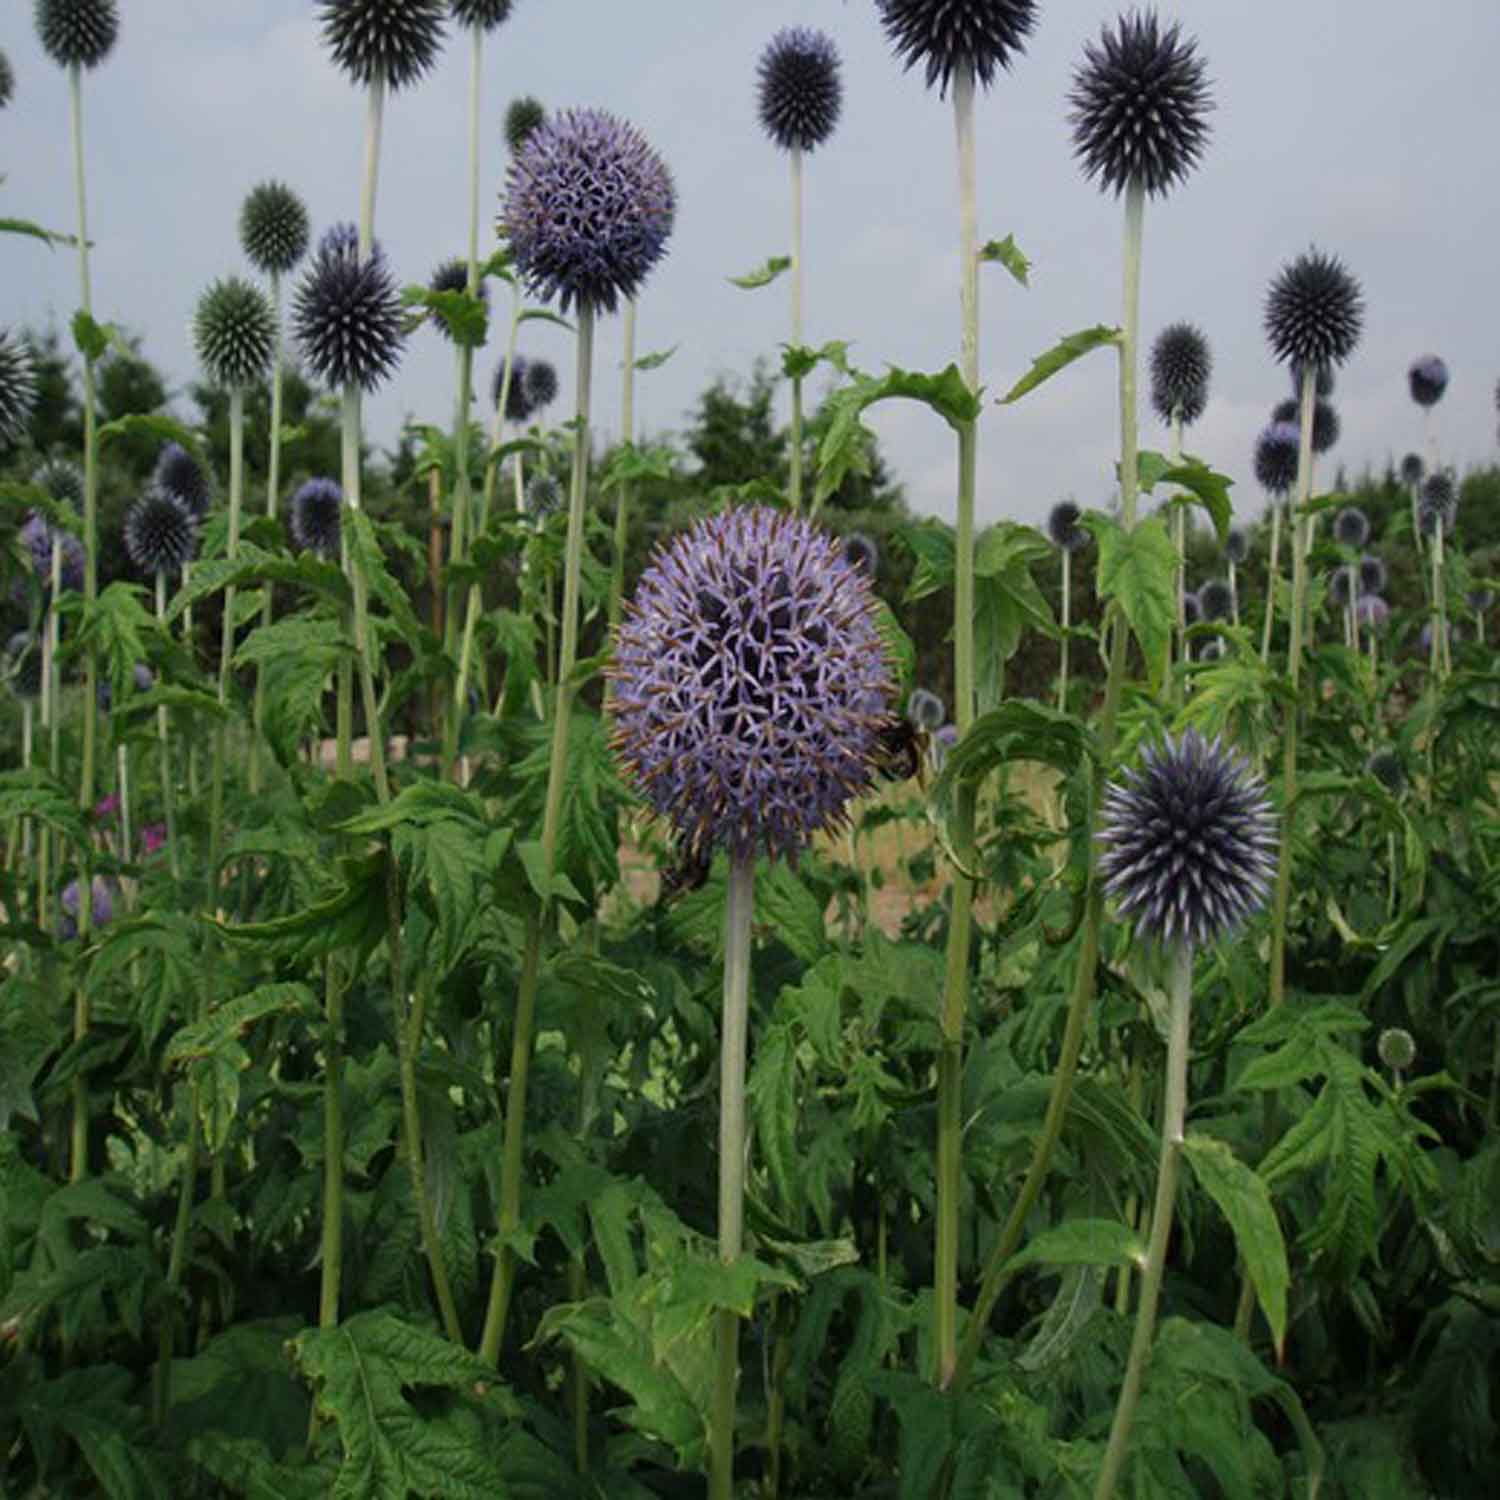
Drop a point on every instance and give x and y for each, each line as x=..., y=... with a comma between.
x=1059, y=357
x=153, y=425
x=50, y=237
x=656, y=359
x=763, y=275
x=1008, y=254
x=798, y=360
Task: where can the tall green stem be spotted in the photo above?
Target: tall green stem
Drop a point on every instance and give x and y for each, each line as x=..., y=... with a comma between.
x=226, y=639
x=622, y=503
x=273, y=486
x=1173, y=1121
x=333, y=1144
x=739, y=905
x=795, y=481
x=1273, y=564
x=1067, y=581
x=168, y=783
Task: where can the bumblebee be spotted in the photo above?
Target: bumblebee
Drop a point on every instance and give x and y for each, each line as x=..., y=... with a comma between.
x=901, y=750
x=687, y=872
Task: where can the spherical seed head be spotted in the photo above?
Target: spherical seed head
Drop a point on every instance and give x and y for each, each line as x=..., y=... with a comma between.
x=161, y=534
x=7, y=81
x=316, y=516
x=541, y=384
x=1216, y=599
x=1351, y=527
x=751, y=684
x=1372, y=613
x=1063, y=528
x=1276, y=457
x=948, y=35
x=925, y=710
x=346, y=314
x=1322, y=381
x=61, y=480
x=588, y=209
x=1397, y=1049
x=800, y=92
x=1189, y=841
x=1428, y=378
x=1236, y=546
x=1314, y=311
x=1325, y=421
x=485, y=14
x=861, y=553
x=544, y=497
x=397, y=40
x=1140, y=105
x=23, y=665
x=274, y=228
x=521, y=118
x=1180, y=367
x=1372, y=574
x=17, y=387
x=77, y=31
x=1412, y=469
x=1425, y=640
x=234, y=332
x=184, y=478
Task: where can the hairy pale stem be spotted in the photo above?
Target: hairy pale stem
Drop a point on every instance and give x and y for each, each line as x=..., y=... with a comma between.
x=332, y=1254
x=226, y=639
x=163, y=735
x=1273, y=562
x=1179, y=528
x=1062, y=677
x=622, y=500
x=273, y=487
x=794, y=487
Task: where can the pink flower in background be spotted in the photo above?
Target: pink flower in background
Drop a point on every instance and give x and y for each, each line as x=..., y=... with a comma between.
x=153, y=836
x=107, y=807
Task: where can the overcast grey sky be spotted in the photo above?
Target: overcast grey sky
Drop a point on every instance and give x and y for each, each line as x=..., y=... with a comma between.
x=1368, y=127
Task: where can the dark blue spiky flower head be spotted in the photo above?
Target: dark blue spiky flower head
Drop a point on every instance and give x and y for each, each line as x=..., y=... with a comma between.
x=274, y=228
x=1371, y=613
x=183, y=477
x=485, y=14
x=544, y=498
x=1062, y=526
x=1192, y=610
x=62, y=480
x=1372, y=574
x=588, y=209
x=1326, y=425
x=751, y=685
x=1428, y=379
x=78, y=32
x=946, y=35
x=925, y=710
x=346, y=313
x=541, y=384
x=1140, y=105
x=1236, y=546
x=1351, y=527
x=1438, y=503
x=7, y=81
x=394, y=40
x=800, y=92
x=522, y=116
x=533, y=385
x=161, y=534
x=234, y=333
x=316, y=515
x=1412, y=469
x=23, y=665
x=101, y=905
x=1216, y=599
x=1314, y=311
x=1189, y=841
x=37, y=536
x=1276, y=457
x=17, y=387
x=1180, y=367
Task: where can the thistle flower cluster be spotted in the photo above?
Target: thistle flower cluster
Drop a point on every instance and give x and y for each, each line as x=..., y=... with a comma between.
x=1276, y=457
x=37, y=536
x=17, y=386
x=1372, y=574
x=77, y=32
x=1351, y=527
x=544, y=497
x=23, y=665
x=1189, y=841
x=925, y=710
x=1397, y=1049
x=750, y=684
x=800, y=91
x=1325, y=422
x=101, y=902
x=522, y=117
x=1428, y=379
x=315, y=517
x=948, y=35
x=61, y=480
x=395, y=41
x=1063, y=528
x=1236, y=546
x=142, y=679
x=184, y=478
x=485, y=14
x=346, y=313
x=1192, y=610
x=1140, y=105
x=533, y=386
x=588, y=209
x=1412, y=470
x=1437, y=504
x=161, y=534
x=1180, y=367
x=1371, y=613
x=1216, y=599
x=234, y=333
x=1314, y=311
x=274, y=228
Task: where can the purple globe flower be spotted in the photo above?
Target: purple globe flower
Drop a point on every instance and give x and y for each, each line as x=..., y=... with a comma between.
x=533, y=385
x=1180, y=367
x=800, y=92
x=184, y=478
x=751, y=684
x=77, y=32
x=588, y=209
x=453, y=276
x=1412, y=469
x=1189, y=842
x=346, y=313
x=37, y=536
x=946, y=35
x=1237, y=546
x=1428, y=378
x=1325, y=421
x=544, y=498
x=102, y=904
x=1338, y=587
x=234, y=333
x=273, y=228
x=1387, y=767
x=1192, y=610
x=316, y=516
x=1062, y=526
x=142, y=679
x=395, y=41
x=1438, y=505
x=61, y=480
x=1371, y=612
x=1351, y=527
x=1372, y=574
x=1314, y=311
x=541, y=384
x=1276, y=457
x=161, y=534
x=17, y=387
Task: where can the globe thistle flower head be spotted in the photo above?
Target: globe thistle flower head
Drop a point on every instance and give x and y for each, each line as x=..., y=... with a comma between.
x=1338, y=587
x=274, y=228
x=23, y=665
x=484, y=14
x=234, y=333
x=393, y=40
x=316, y=517
x=1479, y=600
x=7, y=81
x=346, y=314
x=861, y=553
x=1351, y=527
x=1063, y=528
x=948, y=35
x=522, y=116
x=1428, y=379
x=541, y=384
x=1276, y=457
x=17, y=387
x=1371, y=613
x=1314, y=311
x=1437, y=504
x=161, y=534
x=37, y=536
x=80, y=32
x=1322, y=381
x=1236, y=546
x=1325, y=422
x=1140, y=104
x=925, y=710
x=184, y=478
x=101, y=903
x=750, y=684
x=142, y=679
x=1372, y=574
x=1180, y=367
x=517, y=408
x=61, y=480
x=1192, y=610
x=1216, y=599
x=1412, y=469
x=800, y=92
x=588, y=209
x=544, y=497
x=1189, y=842
x=1396, y=1048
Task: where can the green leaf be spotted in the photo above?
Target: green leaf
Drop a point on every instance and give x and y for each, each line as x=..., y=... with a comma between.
x=1082, y=1242
x=657, y=358
x=466, y=318
x=152, y=425
x=771, y=1090
x=798, y=360
x=542, y=315
x=1245, y=1200
x=1138, y=570
x=790, y=909
x=1059, y=357
x=628, y=464
x=900, y=649
x=1009, y=255
x=763, y=275
x=49, y=236
x=1209, y=488
x=91, y=338
x=224, y=1026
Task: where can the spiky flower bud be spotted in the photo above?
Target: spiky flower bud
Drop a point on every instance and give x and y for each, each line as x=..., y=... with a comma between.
x=1216, y=599
x=1412, y=469
x=1322, y=381
x=861, y=553
x=1438, y=504
x=394, y=40
x=77, y=31
x=23, y=665
x=521, y=118
x=1325, y=421
x=234, y=333
x=1372, y=574
x=17, y=387
x=751, y=684
x=800, y=90
x=947, y=35
x=62, y=480
x=1139, y=105
x=485, y=14
x=274, y=228
x=541, y=384
x=1397, y=1049
x=544, y=497
x=37, y=536
x=1314, y=311
x=1276, y=457
x=1351, y=527
x=346, y=314
x=588, y=209
x=925, y=710
x=7, y=81
x=1371, y=613
x=1428, y=378
x=1189, y=841
x=316, y=516
x=161, y=534
x=1063, y=528
x=1236, y=546
x=1180, y=367
x=184, y=478
x=102, y=904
